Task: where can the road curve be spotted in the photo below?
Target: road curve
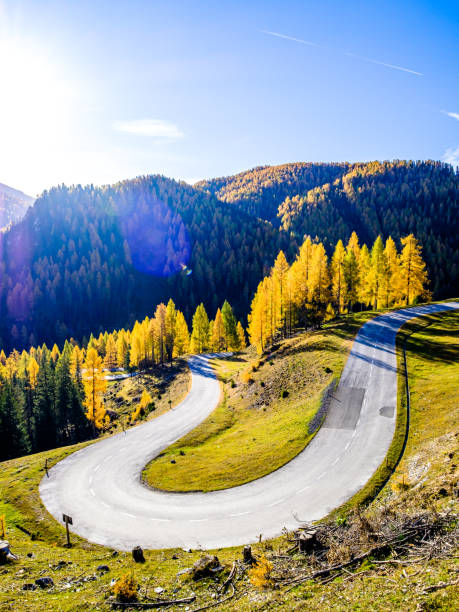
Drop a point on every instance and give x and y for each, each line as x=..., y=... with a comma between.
x=100, y=486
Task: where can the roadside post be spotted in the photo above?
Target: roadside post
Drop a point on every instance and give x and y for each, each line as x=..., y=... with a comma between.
x=68, y=521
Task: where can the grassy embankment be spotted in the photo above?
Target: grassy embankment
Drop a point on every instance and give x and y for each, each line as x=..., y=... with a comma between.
x=262, y=421
x=167, y=386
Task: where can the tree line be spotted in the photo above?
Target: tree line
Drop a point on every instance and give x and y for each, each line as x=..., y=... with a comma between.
x=51, y=398
x=314, y=289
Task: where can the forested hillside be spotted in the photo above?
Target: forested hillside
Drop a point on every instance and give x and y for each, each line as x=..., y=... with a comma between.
x=262, y=190
x=331, y=200
x=87, y=259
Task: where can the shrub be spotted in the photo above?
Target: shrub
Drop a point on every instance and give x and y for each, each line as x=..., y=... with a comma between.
x=260, y=574
x=125, y=588
x=284, y=393
x=247, y=378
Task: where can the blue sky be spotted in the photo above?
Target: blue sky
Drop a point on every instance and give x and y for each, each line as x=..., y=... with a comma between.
x=103, y=91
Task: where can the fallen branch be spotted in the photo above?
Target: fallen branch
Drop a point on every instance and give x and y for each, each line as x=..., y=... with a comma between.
x=440, y=585
x=216, y=603
x=153, y=604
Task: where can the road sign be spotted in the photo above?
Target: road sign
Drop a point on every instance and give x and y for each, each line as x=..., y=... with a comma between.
x=68, y=521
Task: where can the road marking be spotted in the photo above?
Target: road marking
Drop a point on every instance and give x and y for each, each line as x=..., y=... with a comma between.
x=354, y=432
x=104, y=504
x=304, y=489
x=97, y=467
x=107, y=458
x=321, y=476
x=127, y=514
x=335, y=461
x=162, y=520
x=347, y=446
x=90, y=480
x=92, y=492
x=198, y=520
x=240, y=513
x=276, y=503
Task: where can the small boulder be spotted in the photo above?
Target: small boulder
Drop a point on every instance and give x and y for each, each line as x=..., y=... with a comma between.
x=208, y=565
x=28, y=586
x=44, y=583
x=103, y=568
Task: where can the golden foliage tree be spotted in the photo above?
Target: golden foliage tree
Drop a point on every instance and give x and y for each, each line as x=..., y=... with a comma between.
x=94, y=385
x=413, y=274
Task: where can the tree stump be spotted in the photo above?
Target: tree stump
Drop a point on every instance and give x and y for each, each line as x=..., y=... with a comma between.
x=306, y=541
x=137, y=555
x=247, y=555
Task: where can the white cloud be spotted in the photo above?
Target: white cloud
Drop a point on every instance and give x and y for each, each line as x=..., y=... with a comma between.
x=158, y=129
x=451, y=156
x=453, y=115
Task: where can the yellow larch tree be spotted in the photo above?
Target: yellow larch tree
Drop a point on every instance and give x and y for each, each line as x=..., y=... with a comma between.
x=111, y=353
x=413, y=274
x=182, y=335
x=33, y=368
x=94, y=385
x=218, y=341
x=338, y=277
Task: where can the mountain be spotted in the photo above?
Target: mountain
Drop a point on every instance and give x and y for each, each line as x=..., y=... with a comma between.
x=13, y=205
x=86, y=259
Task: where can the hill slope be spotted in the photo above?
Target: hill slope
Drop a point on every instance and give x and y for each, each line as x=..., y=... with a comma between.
x=85, y=259
x=13, y=205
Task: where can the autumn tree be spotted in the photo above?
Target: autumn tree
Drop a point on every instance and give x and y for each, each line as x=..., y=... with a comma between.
x=111, y=353
x=182, y=335
x=94, y=386
x=200, y=330
x=338, y=277
x=217, y=333
x=413, y=274
x=171, y=317
x=229, y=327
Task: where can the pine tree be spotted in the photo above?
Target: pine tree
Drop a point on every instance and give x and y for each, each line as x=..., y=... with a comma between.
x=413, y=275
x=229, y=326
x=13, y=435
x=44, y=412
x=94, y=386
x=200, y=333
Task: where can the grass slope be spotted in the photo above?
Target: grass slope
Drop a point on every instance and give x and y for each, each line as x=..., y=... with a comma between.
x=262, y=421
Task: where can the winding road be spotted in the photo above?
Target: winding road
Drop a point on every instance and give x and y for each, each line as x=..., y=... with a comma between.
x=101, y=488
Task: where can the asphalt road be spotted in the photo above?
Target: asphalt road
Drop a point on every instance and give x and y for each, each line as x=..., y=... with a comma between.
x=100, y=486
